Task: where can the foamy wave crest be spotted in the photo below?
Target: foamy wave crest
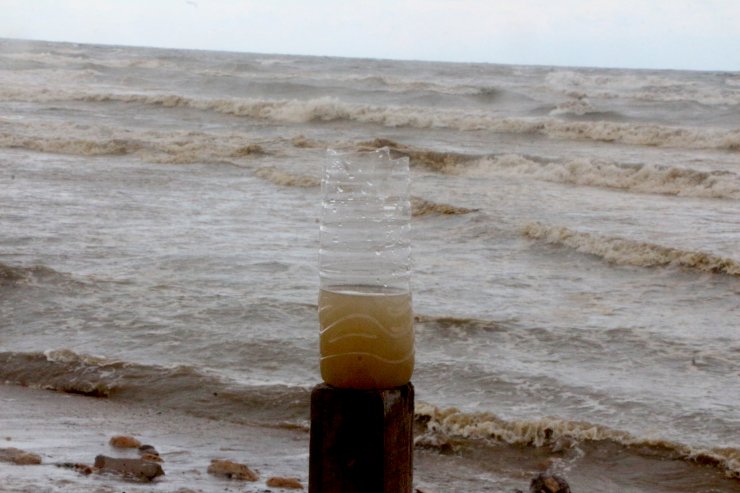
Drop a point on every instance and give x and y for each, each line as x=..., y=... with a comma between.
x=65, y=145
x=62, y=370
x=332, y=109
x=17, y=275
x=11, y=275
x=642, y=178
x=440, y=162
x=578, y=105
x=422, y=207
x=400, y=84
x=419, y=206
x=385, y=82
x=641, y=87
x=644, y=134
x=630, y=252
x=152, y=146
x=302, y=142
x=285, y=178
x=558, y=434
x=177, y=387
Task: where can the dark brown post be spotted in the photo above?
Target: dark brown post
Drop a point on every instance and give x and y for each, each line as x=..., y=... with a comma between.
x=361, y=440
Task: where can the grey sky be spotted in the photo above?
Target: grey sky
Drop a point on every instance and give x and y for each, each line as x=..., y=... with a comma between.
x=681, y=34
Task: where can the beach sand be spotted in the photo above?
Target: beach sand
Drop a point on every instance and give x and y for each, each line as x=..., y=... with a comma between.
x=72, y=428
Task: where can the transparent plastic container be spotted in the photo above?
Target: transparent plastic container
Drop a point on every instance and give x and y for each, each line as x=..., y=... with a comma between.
x=365, y=311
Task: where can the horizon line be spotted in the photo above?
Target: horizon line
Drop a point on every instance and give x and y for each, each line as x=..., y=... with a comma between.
x=378, y=58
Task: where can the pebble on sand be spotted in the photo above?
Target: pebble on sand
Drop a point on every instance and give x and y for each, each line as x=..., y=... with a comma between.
x=281, y=482
x=18, y=456
x=231, y=470
x=123, y=441
x=137, y=468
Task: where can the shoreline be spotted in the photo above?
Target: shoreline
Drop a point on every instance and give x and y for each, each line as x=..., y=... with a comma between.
x=72, y=428
x=64, y=427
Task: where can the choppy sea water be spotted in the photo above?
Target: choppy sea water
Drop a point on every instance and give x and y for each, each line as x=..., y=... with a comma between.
x=576, y=242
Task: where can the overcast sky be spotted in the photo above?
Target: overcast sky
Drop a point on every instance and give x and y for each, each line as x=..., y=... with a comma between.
x=681, y=34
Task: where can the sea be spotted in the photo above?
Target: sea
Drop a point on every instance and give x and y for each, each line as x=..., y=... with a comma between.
x=575, y=239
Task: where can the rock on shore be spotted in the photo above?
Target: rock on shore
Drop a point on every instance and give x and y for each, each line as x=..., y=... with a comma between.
x=137, y=468
x=232, y=470
x=18, y=456
x=124, y=441
x=281, y=482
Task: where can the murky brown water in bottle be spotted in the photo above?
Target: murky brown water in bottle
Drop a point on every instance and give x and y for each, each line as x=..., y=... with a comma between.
x=367, y=337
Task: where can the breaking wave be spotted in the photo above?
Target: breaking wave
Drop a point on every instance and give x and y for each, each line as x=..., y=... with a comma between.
x=15, y=275
x=577, y=105
x=419, y=206
x=177, y=387
x=643, y=87
x=65, y=145
x=422, y=207
x=629, y=252
x=331, y=109
x=440, y=425
x=373, y=82
x=155, y=147
x=640, y=178
x=440, y=162
x=194, y=147
x=447, y=163
x=285, y=178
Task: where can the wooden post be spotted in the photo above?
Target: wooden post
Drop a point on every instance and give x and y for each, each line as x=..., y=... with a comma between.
x=361, y=440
